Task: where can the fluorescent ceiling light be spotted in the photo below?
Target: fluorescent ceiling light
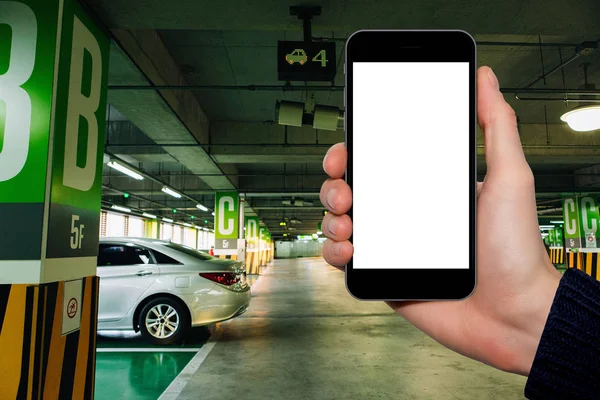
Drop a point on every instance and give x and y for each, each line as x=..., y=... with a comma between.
x=167, y=219
x=201, y=207
x=119, y=208
x=213, y=214
x=583, y=118
x=149, y=215
x=125, y=170
x=186, y=224
x=557, y=222
x=319, y=233
x=197, y=227
x=171, y=192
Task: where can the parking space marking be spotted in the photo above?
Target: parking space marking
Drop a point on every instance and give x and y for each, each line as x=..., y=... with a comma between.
x=147, y=350
x=177, y=386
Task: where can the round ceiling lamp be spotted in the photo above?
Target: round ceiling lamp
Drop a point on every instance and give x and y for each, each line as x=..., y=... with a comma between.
x=583, y=118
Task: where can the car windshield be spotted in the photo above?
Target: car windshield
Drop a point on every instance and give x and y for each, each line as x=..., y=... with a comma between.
x=189, y=251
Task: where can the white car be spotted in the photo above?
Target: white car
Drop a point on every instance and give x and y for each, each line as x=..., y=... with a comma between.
x=162, y=288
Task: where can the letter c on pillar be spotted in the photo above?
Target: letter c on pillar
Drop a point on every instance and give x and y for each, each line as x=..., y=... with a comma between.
x=226, y=230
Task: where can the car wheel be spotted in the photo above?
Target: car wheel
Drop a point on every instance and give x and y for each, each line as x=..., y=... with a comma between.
x=163, y=321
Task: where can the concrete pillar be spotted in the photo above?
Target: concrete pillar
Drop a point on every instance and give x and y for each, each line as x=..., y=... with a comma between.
x=252, y=245
x=581, y=222
x=53, y=101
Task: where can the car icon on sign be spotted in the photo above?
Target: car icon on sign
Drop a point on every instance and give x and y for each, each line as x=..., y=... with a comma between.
x=296, y=56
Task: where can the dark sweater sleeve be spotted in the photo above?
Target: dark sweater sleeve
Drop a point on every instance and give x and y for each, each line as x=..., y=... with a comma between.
x=567, y=361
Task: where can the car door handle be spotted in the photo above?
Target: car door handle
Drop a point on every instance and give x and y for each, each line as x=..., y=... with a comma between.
x=144, y=273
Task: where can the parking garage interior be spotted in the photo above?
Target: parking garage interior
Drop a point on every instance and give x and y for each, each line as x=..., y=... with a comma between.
x=194, y=111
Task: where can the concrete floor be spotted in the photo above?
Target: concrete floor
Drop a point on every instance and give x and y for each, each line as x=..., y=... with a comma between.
x=304, y=337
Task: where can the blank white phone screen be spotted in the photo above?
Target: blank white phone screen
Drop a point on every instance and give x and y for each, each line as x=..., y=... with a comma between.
x=410, y=150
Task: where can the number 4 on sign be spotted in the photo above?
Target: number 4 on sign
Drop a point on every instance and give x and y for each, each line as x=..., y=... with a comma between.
x=321, y=57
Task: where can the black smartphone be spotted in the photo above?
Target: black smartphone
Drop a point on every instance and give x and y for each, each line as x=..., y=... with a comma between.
x=411, y=139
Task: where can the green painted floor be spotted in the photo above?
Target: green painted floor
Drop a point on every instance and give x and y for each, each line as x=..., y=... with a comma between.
x=128, y=367
x=137, y=376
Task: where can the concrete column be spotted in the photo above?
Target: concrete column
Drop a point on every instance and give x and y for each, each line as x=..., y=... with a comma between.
x=581, y=222
x=252, y=245
x=54, y=102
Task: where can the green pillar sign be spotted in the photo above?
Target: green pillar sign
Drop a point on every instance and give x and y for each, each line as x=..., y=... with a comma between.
x=262, y=232
x=589, y=221
x=558, y=236
x=571, y=219
x=252, y=224
x=53, y=79
x=227, y=224
x=582, y=219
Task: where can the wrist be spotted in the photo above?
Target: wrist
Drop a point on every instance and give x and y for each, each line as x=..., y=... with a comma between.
x=530, y=322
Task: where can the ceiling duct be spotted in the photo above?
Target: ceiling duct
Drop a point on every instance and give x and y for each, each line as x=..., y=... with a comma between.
x=296, y=202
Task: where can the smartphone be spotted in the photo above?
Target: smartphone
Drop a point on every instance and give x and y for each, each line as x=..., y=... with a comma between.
x=411, y=138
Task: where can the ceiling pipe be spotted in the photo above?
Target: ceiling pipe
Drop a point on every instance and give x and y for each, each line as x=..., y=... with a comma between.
x=324, y=88
x=309, y=193
x=479, y=43
x=251, y=88
x=549, y=210
x=213, y=145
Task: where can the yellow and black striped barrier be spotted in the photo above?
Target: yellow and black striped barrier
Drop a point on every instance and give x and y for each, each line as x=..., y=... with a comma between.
x=557, y=255
x=38, y=361
x=586, y=262
x=252, y=262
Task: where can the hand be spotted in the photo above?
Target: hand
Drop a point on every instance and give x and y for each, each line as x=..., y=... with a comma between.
x=501, y=323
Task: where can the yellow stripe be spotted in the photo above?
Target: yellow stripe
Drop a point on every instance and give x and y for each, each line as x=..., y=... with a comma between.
x=42, y=335
x=11, y=341
x=588, y=264
x=597, y=265
x=84, y=342
x=234, y=257
x=57, y=349
x=36, y=291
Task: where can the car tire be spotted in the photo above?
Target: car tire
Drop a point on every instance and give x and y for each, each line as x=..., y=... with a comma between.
x=163, y=321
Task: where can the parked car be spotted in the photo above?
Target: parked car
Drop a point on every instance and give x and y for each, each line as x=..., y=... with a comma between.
x=162, y=289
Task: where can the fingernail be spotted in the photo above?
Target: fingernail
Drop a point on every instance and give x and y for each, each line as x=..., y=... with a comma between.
x=324, y=161
x=331, y=198
x=332, y=227
x=337, y=249
x=493, y=79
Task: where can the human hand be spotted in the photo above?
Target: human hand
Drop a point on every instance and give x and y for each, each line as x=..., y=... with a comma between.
x=501, y=323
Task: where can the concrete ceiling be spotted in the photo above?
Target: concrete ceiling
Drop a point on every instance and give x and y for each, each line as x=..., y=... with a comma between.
x=199, y=141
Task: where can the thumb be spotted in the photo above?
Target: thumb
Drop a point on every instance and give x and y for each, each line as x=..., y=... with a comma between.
x=503, y=151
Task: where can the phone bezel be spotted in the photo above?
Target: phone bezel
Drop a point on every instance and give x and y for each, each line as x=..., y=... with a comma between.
x=414, y=46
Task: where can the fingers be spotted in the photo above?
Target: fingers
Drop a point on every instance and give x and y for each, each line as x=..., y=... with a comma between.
x=336, y=196
x=503, y=150
x=335, y=161
x=337, y=227
x=337, y=253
